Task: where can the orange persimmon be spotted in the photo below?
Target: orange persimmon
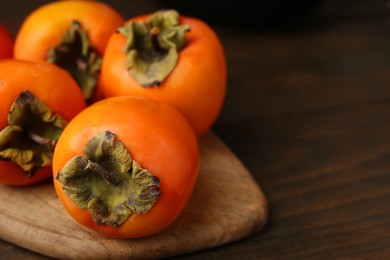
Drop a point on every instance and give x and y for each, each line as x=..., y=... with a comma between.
x=6, y=43
x=70, y=34
x=170, y=58
x=37, y=101
x=126, y=166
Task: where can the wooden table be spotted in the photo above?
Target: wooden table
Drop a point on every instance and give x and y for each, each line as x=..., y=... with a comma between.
x=308, y=113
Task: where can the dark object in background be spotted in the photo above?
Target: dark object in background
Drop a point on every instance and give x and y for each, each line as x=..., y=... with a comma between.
x=260, y=14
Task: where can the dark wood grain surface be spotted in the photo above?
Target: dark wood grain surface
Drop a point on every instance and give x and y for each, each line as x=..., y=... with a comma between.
x=308, y=112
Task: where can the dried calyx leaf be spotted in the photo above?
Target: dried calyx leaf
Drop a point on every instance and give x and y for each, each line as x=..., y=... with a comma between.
x=108, y=182
x=76, y=55
x=152, y=47
x=31, y=134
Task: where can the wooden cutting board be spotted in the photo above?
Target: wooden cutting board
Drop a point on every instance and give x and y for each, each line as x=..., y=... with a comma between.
x=226, y=205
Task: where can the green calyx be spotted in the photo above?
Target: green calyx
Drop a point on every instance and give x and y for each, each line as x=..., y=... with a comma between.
x=107, y=182
x=76, y=56
x=31, y=134
x=152, y=46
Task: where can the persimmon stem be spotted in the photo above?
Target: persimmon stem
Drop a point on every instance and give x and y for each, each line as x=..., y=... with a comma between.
x=76, y=55
x=31, y=134
x=153, y=35
x=112, y=177
x=152, y=47
x=107, y=182
x=41, y=140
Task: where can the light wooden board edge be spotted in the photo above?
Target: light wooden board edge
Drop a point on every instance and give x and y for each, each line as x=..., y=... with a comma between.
x=226, y=205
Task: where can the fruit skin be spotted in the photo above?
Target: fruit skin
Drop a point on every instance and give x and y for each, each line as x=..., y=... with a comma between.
x=44, y=27
x=6, y=43
x=54, y=86
x=157, y=137
x=196, y=86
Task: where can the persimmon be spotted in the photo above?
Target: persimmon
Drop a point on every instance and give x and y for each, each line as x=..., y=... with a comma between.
x=70, y=34
x=126, y=166
x=37, y=101
x=170, y=58
x=6, y=43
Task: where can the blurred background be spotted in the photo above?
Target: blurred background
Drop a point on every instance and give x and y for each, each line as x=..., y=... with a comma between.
x=262, y=15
